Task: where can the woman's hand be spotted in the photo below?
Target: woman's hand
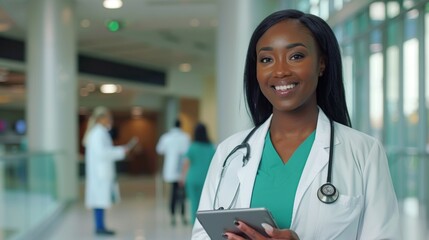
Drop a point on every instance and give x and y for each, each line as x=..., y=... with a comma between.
x=274, y=233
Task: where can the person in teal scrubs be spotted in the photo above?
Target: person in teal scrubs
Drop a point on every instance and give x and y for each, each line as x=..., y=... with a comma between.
x=199, y=156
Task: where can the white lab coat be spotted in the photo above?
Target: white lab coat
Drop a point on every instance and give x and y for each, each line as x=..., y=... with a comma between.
x=173, y=145
x=366, y=208
x=100, y=155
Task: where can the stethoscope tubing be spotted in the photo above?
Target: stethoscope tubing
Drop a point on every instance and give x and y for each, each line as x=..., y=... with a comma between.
x=327, y=193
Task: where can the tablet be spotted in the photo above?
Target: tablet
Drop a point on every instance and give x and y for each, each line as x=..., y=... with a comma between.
x=217, y=222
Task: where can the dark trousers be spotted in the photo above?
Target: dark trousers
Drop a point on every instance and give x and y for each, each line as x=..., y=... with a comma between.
x=177, y=197
x=99, y=219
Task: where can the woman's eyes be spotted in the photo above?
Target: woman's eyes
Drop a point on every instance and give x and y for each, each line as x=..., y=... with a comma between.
x=292, y=57
x=265, y=60
x=296, y=56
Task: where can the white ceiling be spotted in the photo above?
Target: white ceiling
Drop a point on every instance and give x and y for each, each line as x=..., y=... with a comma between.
x=157, y=33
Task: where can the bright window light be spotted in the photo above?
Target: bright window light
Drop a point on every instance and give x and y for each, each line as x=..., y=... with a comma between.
x=376, y=90
x=411, y=76
x=377, y=11
x=393, y=9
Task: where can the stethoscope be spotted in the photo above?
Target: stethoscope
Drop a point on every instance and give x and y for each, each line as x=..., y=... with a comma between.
x=327, y=193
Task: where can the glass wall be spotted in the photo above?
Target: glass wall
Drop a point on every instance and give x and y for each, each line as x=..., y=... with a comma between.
x=385, y=50
x=411, y=78
x=28, y=193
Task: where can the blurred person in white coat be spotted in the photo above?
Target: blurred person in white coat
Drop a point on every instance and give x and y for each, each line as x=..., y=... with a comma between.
x=100, y=155
x=173, y=145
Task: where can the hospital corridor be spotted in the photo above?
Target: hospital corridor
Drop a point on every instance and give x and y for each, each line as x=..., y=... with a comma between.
x=142, y=214
x=91, y=92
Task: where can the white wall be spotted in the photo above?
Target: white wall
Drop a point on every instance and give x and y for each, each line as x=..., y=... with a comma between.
x=188, y=84
x=208, y=107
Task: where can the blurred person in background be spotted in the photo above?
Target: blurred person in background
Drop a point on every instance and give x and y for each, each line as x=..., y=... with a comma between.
x=196, y=165
x=101, y=187
x=173, y=145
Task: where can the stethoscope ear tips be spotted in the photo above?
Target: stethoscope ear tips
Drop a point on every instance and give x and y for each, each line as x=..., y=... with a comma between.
x=327, y=193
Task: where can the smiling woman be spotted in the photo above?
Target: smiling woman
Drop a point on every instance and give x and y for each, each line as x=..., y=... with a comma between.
x=288, y=67
x=302, y=144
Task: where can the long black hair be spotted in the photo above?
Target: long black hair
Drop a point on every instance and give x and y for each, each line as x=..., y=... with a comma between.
x=330, y=89
x=200, y=134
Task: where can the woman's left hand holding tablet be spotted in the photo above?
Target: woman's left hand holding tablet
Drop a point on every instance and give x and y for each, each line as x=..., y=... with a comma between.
x=274, y=233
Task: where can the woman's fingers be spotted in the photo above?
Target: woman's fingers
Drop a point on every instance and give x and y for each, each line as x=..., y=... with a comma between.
x=276, y=233
x=232, y=236
x=268, y=228
x=252, y=234
x=248, y=231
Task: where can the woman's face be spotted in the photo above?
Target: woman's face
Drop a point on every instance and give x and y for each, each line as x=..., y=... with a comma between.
x=107, y=121
x=288, y=66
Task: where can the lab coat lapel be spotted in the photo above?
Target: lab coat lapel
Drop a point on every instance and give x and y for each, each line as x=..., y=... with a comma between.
x=317, y=159
x=247, y=174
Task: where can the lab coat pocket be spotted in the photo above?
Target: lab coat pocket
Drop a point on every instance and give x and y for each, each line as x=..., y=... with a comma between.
x=340, y=220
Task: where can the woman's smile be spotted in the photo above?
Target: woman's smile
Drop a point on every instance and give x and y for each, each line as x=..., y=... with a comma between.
x=284, y=89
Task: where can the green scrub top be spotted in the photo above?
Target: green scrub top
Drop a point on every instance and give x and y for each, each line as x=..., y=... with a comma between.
x=276, y=182
x=199, y=155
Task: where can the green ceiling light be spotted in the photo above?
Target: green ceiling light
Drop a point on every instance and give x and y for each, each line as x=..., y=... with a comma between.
x=114, y=25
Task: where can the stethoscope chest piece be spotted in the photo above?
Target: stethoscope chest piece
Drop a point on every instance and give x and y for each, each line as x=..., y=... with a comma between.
x=327, y=193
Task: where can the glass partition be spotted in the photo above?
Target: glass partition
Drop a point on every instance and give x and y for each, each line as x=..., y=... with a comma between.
x=376, y=60
x=27, y=192
x=411, y=78
x=408, y=170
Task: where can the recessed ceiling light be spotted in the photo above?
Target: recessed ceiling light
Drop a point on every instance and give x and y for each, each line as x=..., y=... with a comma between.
x=85, y=23
x=112, y=4
x=108, y=88
x=136, y=111
x=90, y=87
x=194, y=22
x=83, y=92
x=185, y=67
x=4, y=27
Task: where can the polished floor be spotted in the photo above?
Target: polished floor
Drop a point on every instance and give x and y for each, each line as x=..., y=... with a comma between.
x=142, y=214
